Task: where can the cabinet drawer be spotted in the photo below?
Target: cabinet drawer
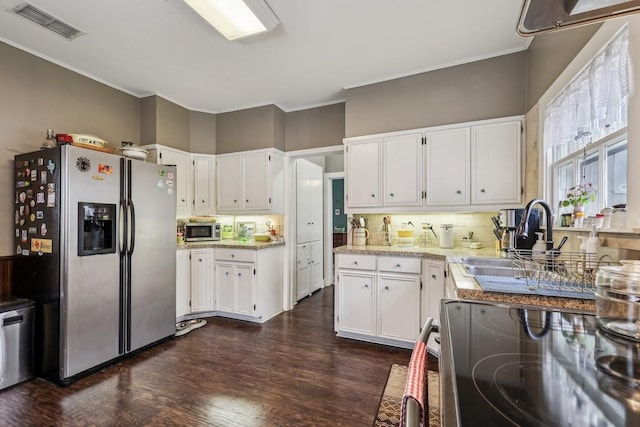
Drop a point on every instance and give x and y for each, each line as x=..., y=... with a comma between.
x=357, y=262
x=242, y=255
x=399, y=265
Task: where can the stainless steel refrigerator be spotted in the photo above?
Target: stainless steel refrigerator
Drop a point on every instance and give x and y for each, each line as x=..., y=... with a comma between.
x=95, y=248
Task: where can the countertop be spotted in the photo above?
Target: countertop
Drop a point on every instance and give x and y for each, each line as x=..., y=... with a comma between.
x=231, y=244
x=415, y=251
x=466, y=285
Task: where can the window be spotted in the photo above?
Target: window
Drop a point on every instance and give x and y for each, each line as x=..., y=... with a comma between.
x=585, y=130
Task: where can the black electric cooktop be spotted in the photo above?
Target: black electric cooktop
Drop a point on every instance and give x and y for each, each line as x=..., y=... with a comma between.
x=532, y=367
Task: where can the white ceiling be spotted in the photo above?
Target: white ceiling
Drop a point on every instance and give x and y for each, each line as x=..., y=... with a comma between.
x=162, y=47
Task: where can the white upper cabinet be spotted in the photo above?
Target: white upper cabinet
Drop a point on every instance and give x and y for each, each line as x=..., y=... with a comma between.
x=203, y=183
x=448, y=167
x=496, y=163
x=229, y=182
x=474, y=164
x=402, y=163
x=363, y=167
x=256, y=181
x=250, y=182
x=309, y=201
x=384, y=172
x=182, y=161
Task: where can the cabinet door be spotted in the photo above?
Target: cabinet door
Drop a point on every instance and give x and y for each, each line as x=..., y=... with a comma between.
x=244, y=287
x=433, y=291
x=316, y=258
x=363, y=173
x=399, y=307
x=229, y=183
x=496, y=163
x=356, y=302
x=203, y=184
x=183, y=282
x=181, y=161
x=303, y=271
x=201, y=280
x=447, y=167
x=256, y=181
x=224, y=286
x=402, y=170
x=309, y=201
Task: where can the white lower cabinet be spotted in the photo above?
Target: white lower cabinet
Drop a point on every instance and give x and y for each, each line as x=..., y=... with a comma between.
x=201, y=280
x=183, y=283
x=378, y=298
x=433, y=290
x=356, y=302
x=309, y=269
x=249, y=283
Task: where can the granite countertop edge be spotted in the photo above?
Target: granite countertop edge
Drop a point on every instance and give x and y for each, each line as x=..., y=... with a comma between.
x=415, y=251
x=231, y=244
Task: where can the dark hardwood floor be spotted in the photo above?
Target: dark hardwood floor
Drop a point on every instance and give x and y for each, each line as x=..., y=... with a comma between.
x=290, y=371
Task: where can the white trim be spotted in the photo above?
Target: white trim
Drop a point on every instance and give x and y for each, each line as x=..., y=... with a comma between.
x=319, y=105
x=328, y=224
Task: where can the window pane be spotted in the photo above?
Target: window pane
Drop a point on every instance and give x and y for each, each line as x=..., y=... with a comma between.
x=566, y=180
x=589, y=175
x=617, y=174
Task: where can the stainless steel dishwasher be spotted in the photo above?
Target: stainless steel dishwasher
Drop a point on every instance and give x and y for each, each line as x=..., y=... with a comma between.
x=16, y=340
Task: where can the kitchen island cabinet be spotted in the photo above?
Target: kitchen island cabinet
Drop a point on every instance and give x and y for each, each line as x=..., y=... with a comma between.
x=378, y=299
x=249, y=283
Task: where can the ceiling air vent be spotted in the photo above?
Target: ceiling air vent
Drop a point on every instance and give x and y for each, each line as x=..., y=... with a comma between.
x=47, y=20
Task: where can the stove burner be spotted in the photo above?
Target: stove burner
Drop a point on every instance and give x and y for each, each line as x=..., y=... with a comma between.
x=621, y=368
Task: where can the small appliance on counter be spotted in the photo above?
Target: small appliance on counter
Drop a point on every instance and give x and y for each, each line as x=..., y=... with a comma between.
x=508, y=221
x=446, y=236
x=201, y=231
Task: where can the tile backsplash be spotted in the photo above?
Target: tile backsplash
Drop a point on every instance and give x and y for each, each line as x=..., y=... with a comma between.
x=477, y=222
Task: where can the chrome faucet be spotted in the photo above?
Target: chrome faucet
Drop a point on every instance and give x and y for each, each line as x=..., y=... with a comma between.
x=523, y=228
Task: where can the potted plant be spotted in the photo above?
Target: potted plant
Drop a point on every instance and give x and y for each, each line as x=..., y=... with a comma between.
x=579, y=196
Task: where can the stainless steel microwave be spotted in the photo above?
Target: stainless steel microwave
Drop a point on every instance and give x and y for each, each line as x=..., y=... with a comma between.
x=201, y=231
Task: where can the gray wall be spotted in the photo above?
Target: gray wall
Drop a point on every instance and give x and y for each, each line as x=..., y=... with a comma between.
x=549, y=54
x=479, y=90
x=250, y=129
x=36, y=95
x=315, y=127
x=203, y=132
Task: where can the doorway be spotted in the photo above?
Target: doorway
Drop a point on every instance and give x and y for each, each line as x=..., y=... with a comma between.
x=336, y=220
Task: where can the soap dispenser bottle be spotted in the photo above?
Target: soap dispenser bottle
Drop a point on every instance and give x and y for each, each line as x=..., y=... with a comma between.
x=539, y=248
x=593, y=241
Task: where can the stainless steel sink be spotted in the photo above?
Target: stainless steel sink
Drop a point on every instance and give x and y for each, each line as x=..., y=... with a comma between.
x=487, y=262
x=478, y=270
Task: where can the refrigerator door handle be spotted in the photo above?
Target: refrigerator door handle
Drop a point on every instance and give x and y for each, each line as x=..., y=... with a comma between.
x=132, y=227
x=122, y=225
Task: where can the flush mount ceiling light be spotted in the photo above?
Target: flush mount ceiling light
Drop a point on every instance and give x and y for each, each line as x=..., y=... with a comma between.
x=236, y=19
x=541, y=16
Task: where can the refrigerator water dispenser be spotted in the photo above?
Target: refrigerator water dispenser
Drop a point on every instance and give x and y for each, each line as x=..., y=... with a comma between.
x=96, y=228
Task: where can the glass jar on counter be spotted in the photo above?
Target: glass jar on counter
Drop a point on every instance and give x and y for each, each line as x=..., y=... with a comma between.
x=618, y=299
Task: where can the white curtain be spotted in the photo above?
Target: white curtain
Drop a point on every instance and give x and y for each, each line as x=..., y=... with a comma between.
x=594, y=103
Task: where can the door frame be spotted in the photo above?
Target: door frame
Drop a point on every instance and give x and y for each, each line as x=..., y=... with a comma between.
x=328, y=222
x=289, y=291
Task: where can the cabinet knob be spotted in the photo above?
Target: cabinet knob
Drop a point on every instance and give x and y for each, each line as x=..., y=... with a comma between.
x=203, y=201
x=233, y=255
x=373, y=195
x=386, y=288
x=247, y=201
x=182, y=200
x=239, y=274
x=355, y=262
x=482, y=190
x=227, y=273
x=433, y=276
x=366, y=285
x=199, y=259
x=398, y=265
x=235, y=201
x=458, y=192
x=392, y=195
